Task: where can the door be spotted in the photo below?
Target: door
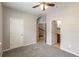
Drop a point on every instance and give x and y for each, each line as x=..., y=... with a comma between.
x=16, y=33
x=54, y=32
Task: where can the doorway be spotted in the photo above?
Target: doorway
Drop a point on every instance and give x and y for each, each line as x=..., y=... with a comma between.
x=16, y=33
x=41, y=30
x=56, y=33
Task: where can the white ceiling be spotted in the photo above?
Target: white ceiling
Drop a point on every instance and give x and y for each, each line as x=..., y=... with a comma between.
x=27, y=7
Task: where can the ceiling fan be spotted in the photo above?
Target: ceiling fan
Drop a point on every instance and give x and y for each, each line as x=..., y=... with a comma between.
x=44, y=5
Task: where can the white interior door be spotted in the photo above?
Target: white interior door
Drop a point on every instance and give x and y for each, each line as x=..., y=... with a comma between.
x=54, y=32
x=16, y=33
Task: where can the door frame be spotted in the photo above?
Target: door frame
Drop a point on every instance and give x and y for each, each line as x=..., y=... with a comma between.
x=59, y=31
x=55, y=36
x=37, y=32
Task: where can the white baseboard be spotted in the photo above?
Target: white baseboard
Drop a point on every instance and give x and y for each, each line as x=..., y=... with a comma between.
x=9, y=49
x=69, y=51
x=30, y=43
x=6, y=50
x=48, y=43
x=17, y=47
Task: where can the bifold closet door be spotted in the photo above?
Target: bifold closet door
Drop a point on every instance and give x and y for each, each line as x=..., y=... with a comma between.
x=16, y=33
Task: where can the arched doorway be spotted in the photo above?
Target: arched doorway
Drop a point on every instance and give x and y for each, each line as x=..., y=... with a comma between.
x=41, y=30
x=56, y=33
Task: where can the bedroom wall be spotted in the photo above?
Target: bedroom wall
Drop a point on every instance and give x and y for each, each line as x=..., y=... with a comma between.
x=29, y=26
x=69, y=27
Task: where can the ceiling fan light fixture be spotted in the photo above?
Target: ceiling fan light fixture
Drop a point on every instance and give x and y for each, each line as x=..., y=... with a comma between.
x=41, y=6
x=46, y=6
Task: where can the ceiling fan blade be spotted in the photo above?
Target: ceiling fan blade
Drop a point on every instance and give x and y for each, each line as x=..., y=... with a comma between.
x=49, y=4
x=35, y=6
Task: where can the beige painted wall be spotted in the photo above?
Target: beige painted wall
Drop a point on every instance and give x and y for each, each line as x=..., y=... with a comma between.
x=29, y=26
x=69, y=27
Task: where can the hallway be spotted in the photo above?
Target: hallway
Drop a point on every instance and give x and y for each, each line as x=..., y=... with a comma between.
x=37, y=50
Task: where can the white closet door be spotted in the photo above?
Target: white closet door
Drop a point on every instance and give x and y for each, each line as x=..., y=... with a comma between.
x=54, y=32
x=16, y=33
